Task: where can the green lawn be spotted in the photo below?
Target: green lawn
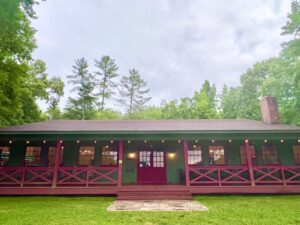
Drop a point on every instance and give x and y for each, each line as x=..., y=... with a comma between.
x=254, y=210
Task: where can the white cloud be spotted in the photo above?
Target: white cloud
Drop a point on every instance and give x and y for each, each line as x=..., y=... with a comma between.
x=175, y=45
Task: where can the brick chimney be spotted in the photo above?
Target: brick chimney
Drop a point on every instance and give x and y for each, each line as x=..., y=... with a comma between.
x=269, y=110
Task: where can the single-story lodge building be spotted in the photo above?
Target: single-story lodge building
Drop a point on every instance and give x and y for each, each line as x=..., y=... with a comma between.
x=151, y=159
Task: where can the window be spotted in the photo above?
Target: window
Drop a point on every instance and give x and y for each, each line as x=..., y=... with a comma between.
x=270, y=155
x=145, y=157
x=86, y=155
x=195, y=155
x=109, y=156
x=4, y=155
x=216, y=155
x=243, y=154
x=296, y=150
x=158, y=159
x=33, y=156
x=51, y=156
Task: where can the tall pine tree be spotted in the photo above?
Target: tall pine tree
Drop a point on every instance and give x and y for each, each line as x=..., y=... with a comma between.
x=83, y=106
x=133, y=92
x=107, y=71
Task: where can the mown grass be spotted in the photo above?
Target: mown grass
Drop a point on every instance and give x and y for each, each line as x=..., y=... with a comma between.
x=231, y=210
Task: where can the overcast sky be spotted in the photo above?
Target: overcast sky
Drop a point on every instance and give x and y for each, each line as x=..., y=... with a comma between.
x=175, y=44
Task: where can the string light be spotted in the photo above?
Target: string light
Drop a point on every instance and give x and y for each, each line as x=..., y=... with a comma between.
x=95, y=141
x=27, y=142
x=246, y=141
x=112, y=141
x=10, y=141
x=229, y=140
x=77, y=141
x=145, y=141
x=44, y=141
x=162, y=141
x=179, y=141
x=212, y=140
x=62, y=147
x=298, y=140
x=61, y=141
x=281, y=140
x=265, y=140
x=129, y=142
x=196, y=141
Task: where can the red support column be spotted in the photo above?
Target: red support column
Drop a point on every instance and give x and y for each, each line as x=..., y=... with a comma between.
x=120, y=163
x=249, y=162
x=56, y=163
x=186, y=163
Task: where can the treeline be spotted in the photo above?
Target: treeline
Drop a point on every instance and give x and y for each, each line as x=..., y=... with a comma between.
x=24, y=81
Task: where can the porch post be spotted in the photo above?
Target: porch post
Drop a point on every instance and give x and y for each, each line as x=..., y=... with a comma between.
x=56, y=162
x=186, y=163
x=120, y=162
x=249, y=162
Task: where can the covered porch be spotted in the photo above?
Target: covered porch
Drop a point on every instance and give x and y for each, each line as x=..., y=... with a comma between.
x=171, y=163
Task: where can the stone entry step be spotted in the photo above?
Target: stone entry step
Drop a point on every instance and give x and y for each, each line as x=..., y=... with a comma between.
x=156, y=205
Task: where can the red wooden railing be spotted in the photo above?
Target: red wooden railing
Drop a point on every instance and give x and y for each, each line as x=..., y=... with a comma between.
x=87, y=176
x=66, y=176
x=100, y=176
x=239, y=175
x=219, y=175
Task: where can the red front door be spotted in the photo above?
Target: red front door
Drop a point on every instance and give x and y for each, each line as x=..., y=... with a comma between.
x=151, y=167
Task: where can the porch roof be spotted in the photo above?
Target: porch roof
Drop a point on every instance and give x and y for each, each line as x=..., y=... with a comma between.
x=210, y=125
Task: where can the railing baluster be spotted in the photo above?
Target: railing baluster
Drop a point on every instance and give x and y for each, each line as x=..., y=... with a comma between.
x=283, y=176
x=219, y=177
x=23, y=176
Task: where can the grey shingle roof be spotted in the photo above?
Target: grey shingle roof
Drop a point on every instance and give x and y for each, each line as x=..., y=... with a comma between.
x=149, y=125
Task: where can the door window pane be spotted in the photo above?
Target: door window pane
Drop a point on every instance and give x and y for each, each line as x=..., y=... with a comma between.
x=158, y=159
x=145, y=159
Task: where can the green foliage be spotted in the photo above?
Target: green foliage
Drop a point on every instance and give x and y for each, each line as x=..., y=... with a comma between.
x=147, y=113
x=107, y=71
x=16, y=44
x=229, y=101
x=133, y=92
x=83, y=105
x=55, y=92
x=201, y=106
x=204, y=102
x=292, y=48
x=108, y=114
